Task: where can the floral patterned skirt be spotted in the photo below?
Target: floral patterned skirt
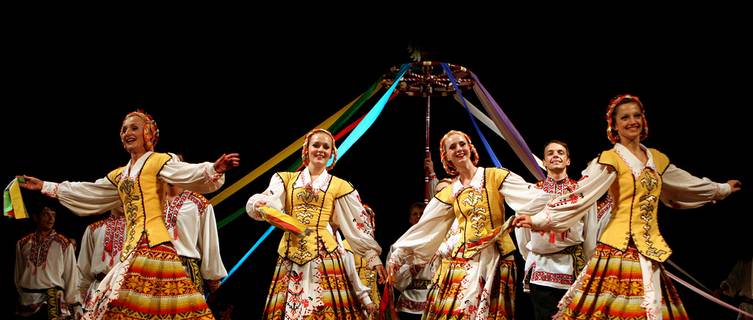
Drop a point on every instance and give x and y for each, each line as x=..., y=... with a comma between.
x=611, y=287
x=154, y=286
x=319, y=289
x=480, y=288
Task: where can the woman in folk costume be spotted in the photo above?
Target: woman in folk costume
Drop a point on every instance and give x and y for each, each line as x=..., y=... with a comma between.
x=624, y=278
x=476, y=279
x=149, y=282
x=310, y=280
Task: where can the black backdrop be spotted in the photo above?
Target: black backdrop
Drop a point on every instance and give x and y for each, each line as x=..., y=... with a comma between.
x=256, y=93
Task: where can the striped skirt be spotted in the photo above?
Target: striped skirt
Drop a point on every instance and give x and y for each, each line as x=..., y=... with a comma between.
x=319, y=289
x=154, y=286
x=611, y=287
x=481, y=288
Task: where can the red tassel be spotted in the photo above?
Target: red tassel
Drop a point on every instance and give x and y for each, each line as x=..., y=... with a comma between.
x=551, y=236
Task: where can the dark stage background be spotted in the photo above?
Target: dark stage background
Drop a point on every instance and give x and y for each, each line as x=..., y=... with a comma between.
x=65, y=97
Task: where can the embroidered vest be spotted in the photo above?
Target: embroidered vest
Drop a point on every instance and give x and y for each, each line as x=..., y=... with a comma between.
x=637, y=200
x=142, y=203
x=478, y=213
x=314, y=209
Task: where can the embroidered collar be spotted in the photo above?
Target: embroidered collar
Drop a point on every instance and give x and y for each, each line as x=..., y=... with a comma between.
x=40, y=247
x=136, y=166
x=635, y=165
x=321, y=182
x=477, y=182
x=562, y=186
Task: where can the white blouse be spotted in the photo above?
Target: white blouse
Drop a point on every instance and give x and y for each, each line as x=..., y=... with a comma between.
x=680, y=189
x=421, y=241
x=348, y=213
x=87, y=198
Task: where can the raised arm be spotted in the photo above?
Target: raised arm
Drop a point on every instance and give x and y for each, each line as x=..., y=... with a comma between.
x=682, y=190
x=82, y=198
x=563, y=211
x=202, y=177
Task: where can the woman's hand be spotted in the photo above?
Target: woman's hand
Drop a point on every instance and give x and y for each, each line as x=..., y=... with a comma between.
x=29, y=182
x=381, y=274
x=391, y=271
x=735, y=185
x=372, y=309
x=523, y=221
x=226, y=162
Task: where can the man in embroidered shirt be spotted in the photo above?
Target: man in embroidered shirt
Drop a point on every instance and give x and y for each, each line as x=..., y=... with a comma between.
x=100, y=251
x=46, y=276
x=554, y=259
x=189, y=218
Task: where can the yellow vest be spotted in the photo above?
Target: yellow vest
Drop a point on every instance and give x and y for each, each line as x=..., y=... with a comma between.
x=314, y=209
x=478, y=213
x=634, y=216
x=142, y=202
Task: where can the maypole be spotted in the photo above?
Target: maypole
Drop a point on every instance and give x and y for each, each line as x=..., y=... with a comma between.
x=427, y=79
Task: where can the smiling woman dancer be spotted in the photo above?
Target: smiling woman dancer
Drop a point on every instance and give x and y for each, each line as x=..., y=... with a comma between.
x=476, y=279
x=310, y=281
x=624, y=278
x=149, y=282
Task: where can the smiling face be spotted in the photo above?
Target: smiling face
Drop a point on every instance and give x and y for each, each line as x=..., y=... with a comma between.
x=629, y=122
x=457, y=149
x=132, y=135
x=556, y=157
x=319, y=149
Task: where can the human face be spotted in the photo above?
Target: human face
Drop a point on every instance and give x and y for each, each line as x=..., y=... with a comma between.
x=415, y=215
x=46, y=219
x=320, y=149
x=132, y=135
x=556, y=158
x=629, y=122
x=457, y=149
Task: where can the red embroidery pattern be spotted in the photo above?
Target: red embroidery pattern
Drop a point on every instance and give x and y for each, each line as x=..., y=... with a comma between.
x=114, y=237
x=405, y=304
x=40, y=247
x=604, y=205
x=563, y=186
x=552, y=277
x=173, y=208
x=573, y=198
